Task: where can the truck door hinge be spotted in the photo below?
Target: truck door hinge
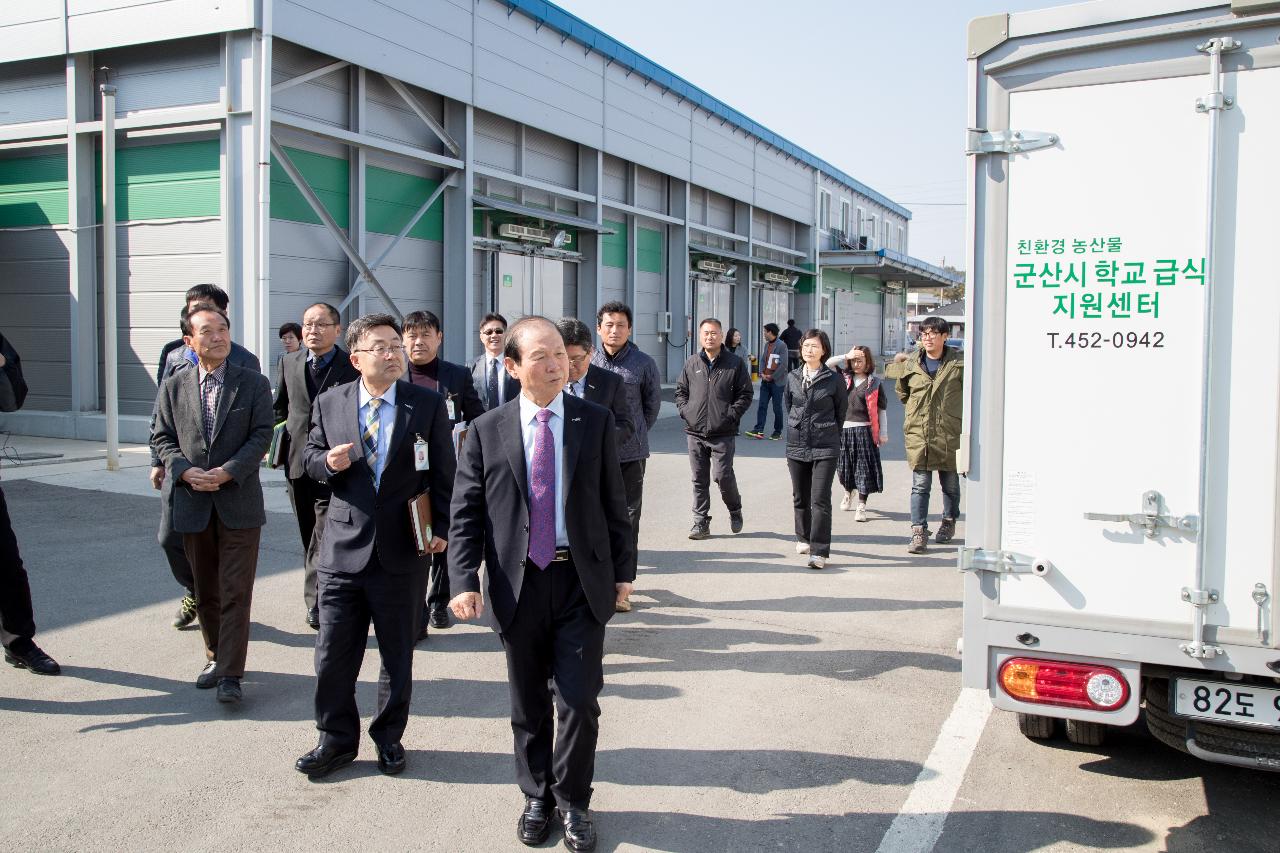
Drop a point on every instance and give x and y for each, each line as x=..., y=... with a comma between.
x=982, y=141
x=1151, y=519
x=1200, y=599
x=1003, y=562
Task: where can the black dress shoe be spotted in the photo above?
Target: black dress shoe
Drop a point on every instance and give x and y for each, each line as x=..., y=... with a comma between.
x=579, y=831
x=439, y=618
x=391, y=759
x=33, y=659
x=323, y=760
x=313, y=618
x=229, y=691
x=534, y=825
x=206, y=678
x=735, y=521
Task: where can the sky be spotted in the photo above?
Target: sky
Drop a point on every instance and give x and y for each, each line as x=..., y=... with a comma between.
x=875, y=88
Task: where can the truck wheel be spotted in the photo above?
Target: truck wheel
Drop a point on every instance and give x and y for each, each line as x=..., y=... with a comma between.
x=1086, y=734
x=1228, y=740
x=1035, y=726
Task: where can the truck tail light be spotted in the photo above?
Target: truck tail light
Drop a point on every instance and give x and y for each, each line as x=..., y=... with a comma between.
x=1071, y=685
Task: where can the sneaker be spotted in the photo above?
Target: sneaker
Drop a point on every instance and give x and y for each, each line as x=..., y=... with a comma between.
x=776, y=436
x=700, y=530
x=919, y=539
x=186, y=612
x=846, y=502
x=802, y=547
x=735, y=521
x=816, y=562
x=946, y=531
x=34, y=659
x=860, y=514
x=229, y=691
x=206, y=678
x=755, y=433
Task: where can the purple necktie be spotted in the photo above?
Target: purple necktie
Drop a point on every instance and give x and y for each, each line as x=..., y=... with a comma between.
x=542, y=494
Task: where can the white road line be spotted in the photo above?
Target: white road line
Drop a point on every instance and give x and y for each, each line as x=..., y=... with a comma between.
x=920, y=820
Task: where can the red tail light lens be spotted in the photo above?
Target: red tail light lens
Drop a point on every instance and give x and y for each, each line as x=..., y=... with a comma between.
x=1070, y=685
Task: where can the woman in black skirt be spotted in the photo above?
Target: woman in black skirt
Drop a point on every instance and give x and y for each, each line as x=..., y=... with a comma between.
x=865, y=429
x=815, y=399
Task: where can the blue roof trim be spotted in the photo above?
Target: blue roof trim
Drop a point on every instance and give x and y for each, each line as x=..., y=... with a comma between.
x=916, y=262
x=580, y=31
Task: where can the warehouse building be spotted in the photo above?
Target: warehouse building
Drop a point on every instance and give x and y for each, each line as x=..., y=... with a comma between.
x=455, y=155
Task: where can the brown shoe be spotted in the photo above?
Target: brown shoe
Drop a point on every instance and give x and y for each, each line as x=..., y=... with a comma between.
x=919, y=540
x=946, y=531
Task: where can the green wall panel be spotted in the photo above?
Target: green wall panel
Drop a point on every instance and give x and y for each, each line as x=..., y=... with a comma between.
x=328, y=177
x=613, y=247
x=393, y=197
x=33, y=191
x=167, y=181
x=648, y=250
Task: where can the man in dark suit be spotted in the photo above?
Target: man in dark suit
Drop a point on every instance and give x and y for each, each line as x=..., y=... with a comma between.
x=212, y=429
x=177, y=356
x=378, y=443
x=422, y=341
x=539, y=498
x=318, y=366
x=17, y=617
x=494, y=384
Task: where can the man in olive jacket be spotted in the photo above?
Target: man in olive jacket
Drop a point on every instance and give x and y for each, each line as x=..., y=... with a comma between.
x=930, y=384
x=713, y=393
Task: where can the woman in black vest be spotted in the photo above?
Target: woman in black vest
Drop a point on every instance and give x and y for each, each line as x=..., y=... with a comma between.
x=815, y=400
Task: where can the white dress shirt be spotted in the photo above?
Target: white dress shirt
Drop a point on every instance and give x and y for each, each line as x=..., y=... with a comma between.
x=528, y=432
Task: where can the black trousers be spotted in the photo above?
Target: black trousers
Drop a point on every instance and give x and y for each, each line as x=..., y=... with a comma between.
x=811, y=495
x=310, y=504
x=348, y=603
x=712, y=459
x=17, y=619
x=554, y=636
x=633, y=484
x=438, y=582
x=174, y=551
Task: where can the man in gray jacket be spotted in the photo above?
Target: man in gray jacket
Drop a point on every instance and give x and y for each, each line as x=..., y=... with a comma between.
x=213, y=425
x=713, y=393
x=643, y=385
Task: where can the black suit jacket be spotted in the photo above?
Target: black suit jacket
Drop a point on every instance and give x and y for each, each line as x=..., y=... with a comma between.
x=491, y=509
x=511, y=385
x=606, y=388
x=456, y=384
x=362, y=518
x=293, y=400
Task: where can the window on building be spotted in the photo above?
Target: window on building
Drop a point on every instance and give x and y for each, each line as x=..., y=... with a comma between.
x=902, y=239
x=824, y=210
x=862, y=223
x=871, y=231
x=844, y=216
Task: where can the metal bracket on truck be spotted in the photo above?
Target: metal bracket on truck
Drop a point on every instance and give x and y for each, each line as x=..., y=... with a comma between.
x=1003, y=562
x=983, y=141
x=1151, y=519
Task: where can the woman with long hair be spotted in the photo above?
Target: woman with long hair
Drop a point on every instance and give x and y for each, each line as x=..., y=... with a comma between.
x=733, y=340
x=816, y=400
x=865, y=430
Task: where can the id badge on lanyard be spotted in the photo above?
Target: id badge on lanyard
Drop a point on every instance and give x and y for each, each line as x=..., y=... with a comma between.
x=421, y=462
x=451, y=407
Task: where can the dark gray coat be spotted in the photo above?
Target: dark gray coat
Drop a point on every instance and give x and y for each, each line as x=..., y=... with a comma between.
x=643, y=386
x=241, y=433
x=293, y=399
x=814, y=416
x=712, y=402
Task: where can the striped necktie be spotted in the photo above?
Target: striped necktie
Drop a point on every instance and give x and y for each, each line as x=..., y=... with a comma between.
x=372, y=422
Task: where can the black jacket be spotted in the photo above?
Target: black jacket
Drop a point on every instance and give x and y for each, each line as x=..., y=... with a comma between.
x=294, y=399
x=362, y=518
x=814, y=416
x=453, y=381
x=606, y=388
x=13, y=388
x=713, y=404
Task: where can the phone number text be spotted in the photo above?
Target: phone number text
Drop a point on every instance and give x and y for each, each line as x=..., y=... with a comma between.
x=1102, y=340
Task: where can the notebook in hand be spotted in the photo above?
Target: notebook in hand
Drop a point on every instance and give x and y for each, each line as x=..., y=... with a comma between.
x=278, y=450
x=420, y=520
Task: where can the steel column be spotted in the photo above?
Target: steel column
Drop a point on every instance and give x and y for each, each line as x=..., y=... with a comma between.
x=82, y=247
x=109, y=321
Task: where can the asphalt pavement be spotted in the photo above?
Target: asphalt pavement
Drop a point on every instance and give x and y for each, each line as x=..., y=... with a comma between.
x=749, y=703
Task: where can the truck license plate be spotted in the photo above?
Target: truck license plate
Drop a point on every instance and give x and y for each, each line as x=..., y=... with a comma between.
x=1227, y=702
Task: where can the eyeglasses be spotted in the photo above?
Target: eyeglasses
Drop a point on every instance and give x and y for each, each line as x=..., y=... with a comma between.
x=381, y=351
x=492, y=332
x=577, y=361
x=930, y=333
x=316, y=326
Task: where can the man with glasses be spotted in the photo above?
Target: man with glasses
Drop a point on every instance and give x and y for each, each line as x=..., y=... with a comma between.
x=930, y=383
x=378, y=443
x=318, y=366
x=489, y=371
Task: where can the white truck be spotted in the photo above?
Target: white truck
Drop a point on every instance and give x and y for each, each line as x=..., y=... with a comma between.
x=1122, y=425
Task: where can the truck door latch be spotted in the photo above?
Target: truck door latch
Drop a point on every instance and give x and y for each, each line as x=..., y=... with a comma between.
x=1003, y=562
x=979, y=140
x=1151, y=518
